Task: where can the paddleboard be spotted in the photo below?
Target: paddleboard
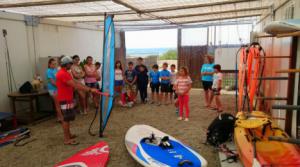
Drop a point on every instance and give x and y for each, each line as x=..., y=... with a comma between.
x=152, y=148
x=283, y=26
x=94, y=156
x=12, y=136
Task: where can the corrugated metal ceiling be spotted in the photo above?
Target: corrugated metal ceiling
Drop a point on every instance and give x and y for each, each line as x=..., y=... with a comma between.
x=142, y=13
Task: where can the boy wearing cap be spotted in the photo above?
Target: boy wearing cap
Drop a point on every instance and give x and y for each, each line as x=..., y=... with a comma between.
x=65, y=89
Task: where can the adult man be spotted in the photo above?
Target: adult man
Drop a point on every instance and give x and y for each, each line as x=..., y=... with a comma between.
x=138, y=68
x=65, y=89
x=140, y=63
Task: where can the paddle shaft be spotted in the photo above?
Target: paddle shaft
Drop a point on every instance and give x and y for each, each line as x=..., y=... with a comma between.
x=285, y=140
x=278, y=118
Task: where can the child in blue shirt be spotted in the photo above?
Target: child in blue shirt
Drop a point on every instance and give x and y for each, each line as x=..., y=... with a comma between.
x=154, y=84
x=165, y=77
x=51, y=85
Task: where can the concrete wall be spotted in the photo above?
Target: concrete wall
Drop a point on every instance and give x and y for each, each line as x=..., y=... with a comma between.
x=28, y=44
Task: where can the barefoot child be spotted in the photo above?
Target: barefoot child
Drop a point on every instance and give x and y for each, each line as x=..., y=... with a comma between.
x=98, y=77
x=173, y=79
x=154, y=84
x=183, y=85
x=217, y=86
x=165, y=77
x=130, y=82
x=119, y=82
x=51, y=83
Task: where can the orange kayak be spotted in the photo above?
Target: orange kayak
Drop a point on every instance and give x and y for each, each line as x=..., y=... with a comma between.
x=268, y=153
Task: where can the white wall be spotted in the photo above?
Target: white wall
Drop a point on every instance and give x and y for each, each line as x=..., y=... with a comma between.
x=226, y=58
x=50, y=38
x=56, y=40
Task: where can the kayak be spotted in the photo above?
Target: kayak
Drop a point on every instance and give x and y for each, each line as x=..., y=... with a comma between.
x=251, y=136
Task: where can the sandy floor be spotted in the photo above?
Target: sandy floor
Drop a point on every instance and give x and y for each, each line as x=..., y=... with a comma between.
x=48, y=149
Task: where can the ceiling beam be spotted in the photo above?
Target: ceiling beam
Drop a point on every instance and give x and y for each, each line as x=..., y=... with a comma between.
x=135, y=10
x=220, y=12
x=188, y=22
x=134, y=28
x=127, y=6
x=87, y=14
x=184, y=26
x=197, y=6
x=42, y=3
x=138, y=11
x=190, y=15
x=221, y=18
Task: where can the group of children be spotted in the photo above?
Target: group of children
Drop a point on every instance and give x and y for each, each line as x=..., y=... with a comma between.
x=165, y=85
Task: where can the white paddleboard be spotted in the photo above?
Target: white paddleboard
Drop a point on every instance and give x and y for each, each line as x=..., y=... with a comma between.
x=283, y=26
x=151, y=148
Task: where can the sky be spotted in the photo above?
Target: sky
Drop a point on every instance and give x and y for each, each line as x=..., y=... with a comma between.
x=167, y=38
x=151, y=39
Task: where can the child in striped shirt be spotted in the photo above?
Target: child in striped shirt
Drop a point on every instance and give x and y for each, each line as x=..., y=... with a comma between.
x=183, y=85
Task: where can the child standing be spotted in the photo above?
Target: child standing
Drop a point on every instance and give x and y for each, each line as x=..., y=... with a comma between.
x=130, y=82
x=207, y=71
x=51, y=84
x=154, y=84
x=165, y=77
x=217, y=86
x=119, y=82
x=183, y=85
x=98, y=77
x=142, y=83
x=173, y=79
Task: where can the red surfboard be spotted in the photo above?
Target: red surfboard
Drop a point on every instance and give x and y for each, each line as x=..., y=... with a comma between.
x=94, y=156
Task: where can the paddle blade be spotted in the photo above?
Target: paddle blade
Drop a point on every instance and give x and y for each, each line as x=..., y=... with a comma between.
x=255, y=163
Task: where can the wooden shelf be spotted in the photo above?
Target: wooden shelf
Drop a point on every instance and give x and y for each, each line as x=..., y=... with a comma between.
x=273, y=78
x=272, y=98
x=272, y=57
x=288, y=71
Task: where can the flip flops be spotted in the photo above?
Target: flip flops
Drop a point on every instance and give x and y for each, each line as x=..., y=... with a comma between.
x=213, y=108
x=72, y=142
x=73, y=136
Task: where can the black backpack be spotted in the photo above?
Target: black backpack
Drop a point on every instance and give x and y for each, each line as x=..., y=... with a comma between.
x=221, y=129
x=26, y=88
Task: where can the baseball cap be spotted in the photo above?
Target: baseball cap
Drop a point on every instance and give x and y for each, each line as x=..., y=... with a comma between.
x=66, y=60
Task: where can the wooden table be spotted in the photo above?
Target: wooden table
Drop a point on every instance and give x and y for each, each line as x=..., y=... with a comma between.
x=32, y=99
